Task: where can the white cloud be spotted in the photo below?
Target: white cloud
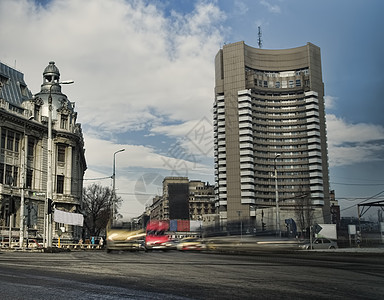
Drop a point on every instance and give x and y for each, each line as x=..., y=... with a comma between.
x=353, y=143
x=273, y=8
x=195, y=136
x=131, y=65
x=330, y=101
x=241, y=7
x=134, y=69
x=134, y=164
x=101, y=153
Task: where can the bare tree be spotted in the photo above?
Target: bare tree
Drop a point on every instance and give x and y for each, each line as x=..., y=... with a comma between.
x=98, y=204
x=304, y=210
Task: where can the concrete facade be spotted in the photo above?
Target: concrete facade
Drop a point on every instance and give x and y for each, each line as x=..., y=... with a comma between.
x=269, y=114
x=200, y=200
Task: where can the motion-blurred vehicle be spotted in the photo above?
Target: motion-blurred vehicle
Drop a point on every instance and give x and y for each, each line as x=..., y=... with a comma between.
x=156, y=237
x=32, y=243
x=172, y=244
x=191, y=243
x=320, y=243
x=125, y=239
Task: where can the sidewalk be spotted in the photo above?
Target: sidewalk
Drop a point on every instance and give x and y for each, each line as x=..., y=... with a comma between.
x=354, y=250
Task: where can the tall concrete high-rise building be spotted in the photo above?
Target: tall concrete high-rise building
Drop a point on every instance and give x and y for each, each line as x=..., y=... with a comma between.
x=270, y=135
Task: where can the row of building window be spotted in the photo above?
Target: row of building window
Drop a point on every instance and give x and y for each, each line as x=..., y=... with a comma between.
x=273, y=104
x=10, y=140
x=284, y=146
x=10, y=175
x=283, y=84
x=286, y=187
x=298, y=72
x=287, y=140
x=281, y=127
x=256, y=132
x=63, y=117
x=282, y=106
x=298, y=94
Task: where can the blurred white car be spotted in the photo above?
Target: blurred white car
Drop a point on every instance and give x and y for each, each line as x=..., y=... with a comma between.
x=320, y=243
x=191, y=243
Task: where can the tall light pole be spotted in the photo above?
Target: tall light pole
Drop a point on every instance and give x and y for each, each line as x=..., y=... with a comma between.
x=113, y=184
x=49, y=199
x=277, y=197
x=22, y=183
x=241, y=225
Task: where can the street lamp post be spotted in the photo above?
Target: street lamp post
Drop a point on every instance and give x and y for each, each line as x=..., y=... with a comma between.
x=22, y=183
x=48, y=199
x=113, y=184
x=241, y=225
x=277, y=198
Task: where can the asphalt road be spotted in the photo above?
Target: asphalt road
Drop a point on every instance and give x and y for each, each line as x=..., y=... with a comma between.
x=176, y=275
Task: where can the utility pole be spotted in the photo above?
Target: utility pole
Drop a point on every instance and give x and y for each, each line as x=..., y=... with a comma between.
x=241, y=225
x=277, y=198
x=114, y=186
x=49, y=198
x=23, y=167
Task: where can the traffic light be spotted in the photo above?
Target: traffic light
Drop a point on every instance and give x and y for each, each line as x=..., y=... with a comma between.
x=263, y=225
x=50, y=206
x=11, y=206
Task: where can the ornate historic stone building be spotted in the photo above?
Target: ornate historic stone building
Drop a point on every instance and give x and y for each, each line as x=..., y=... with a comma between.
x=26, y=160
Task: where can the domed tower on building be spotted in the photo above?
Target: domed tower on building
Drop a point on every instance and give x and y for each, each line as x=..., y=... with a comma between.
x=63, y=153
x=63, y=113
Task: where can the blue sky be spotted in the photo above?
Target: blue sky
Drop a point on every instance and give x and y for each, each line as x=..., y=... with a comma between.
x=144, y=80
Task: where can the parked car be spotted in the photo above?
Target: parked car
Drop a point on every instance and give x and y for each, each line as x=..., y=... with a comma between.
x=191, y=243
x=320, y=243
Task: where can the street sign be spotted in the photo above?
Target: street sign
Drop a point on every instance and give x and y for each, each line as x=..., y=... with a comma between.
x=38, y=194
x=317, y=228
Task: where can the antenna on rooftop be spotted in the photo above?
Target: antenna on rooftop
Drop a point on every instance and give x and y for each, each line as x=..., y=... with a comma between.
x=259, y=42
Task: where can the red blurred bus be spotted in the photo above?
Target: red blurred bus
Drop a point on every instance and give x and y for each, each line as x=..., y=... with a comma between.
x=156, y=237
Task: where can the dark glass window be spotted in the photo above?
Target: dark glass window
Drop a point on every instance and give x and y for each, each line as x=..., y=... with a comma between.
x=1, y=173
x=3, y=138
x=64, y=122
x=10, y=139
x=61, y=153
x=15, y=175
x=8, y=175
x=60, y=184
x=28, y=183
x=17, y=142
x=31, y=146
